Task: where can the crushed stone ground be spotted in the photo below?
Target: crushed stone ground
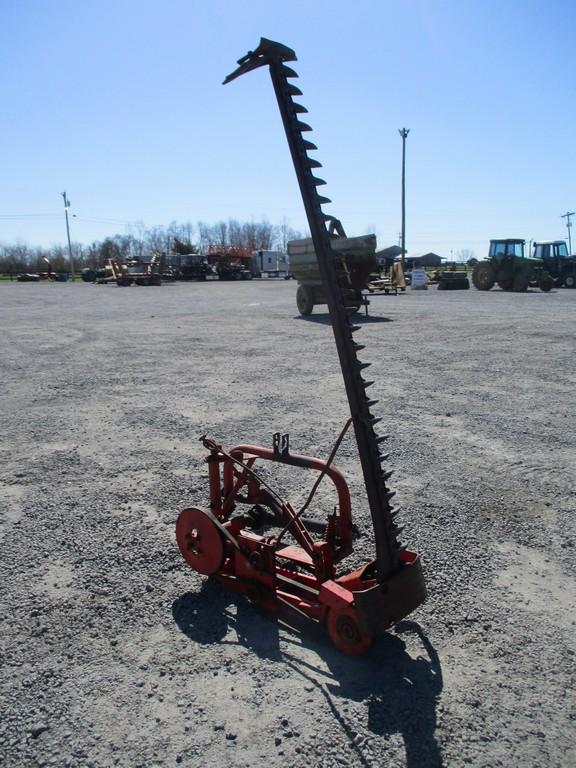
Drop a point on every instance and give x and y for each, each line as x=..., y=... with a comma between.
x=115, y=653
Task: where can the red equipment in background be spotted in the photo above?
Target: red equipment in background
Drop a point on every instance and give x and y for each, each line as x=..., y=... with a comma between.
x=230, y=262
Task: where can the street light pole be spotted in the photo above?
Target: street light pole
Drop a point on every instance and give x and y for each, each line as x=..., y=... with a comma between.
x=567, y=216
x=404, y=133
x=66, y=206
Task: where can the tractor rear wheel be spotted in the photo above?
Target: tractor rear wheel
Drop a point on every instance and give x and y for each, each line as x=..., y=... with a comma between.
x=506, y=284
x=304, y=300
x=483, y=276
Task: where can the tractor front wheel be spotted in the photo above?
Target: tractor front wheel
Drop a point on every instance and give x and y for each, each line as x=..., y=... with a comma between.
x=483, y=277
x=545, y=283
x=570, y=281
x=520, y=284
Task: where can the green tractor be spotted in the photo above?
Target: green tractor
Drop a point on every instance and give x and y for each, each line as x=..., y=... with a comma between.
x=560, y=264
x=507, y=266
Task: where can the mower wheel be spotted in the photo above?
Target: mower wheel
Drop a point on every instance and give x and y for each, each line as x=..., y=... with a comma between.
x=483, y=276
x=200, y=541
x=345, y=632
x=304, y=300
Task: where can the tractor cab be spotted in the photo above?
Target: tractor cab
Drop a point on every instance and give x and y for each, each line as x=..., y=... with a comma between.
x=506, y=249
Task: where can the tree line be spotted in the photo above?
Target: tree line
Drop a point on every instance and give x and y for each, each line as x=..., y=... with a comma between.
x=142, y=242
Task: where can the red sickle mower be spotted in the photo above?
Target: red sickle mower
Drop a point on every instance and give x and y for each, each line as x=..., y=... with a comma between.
x=232, y=545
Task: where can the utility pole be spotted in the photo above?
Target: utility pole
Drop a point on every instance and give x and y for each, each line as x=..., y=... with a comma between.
x=404, y=133
x=567, y=216
x=66, y=206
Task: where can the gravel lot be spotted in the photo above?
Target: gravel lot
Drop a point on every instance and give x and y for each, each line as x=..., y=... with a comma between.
x=114, y=652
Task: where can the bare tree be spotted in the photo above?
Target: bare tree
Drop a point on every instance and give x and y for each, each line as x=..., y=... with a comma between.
x=465, y=254
x=140, y=242
x=284, y=233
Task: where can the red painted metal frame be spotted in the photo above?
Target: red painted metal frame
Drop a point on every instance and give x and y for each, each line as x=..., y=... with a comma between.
x=355, y=607
x=301, y=575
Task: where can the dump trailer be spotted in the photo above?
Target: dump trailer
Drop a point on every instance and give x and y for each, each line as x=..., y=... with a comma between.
x=355, y=263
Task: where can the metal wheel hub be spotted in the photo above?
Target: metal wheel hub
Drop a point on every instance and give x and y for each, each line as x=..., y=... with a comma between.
x=200, y=541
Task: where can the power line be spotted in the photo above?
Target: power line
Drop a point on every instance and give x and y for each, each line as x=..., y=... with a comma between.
x=568, y=216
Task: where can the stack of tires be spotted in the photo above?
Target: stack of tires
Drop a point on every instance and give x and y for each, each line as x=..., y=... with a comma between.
x=453, y=281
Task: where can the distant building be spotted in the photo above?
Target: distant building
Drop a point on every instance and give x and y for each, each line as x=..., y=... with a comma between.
x=386, y=256
x=424, y=260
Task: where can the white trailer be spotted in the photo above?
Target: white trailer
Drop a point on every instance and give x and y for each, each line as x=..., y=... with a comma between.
x=270, y=264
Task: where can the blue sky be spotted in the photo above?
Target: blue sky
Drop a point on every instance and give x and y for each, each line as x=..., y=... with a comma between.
x=120, y=103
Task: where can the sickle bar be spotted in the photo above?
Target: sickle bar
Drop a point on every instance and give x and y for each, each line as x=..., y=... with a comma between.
x=388, y=549
x=356, y=606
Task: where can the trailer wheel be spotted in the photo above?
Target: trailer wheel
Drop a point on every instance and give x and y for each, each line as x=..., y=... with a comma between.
x=570, y=281
x=304, y=300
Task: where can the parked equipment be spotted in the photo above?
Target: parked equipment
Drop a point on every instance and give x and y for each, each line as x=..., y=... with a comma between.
x=240, y=539
x=355, y=262
x=230, y=262
x=453, y=281
x=36, y=277
x=134, y=270
x=114, y=271
x=191, y=265
x=270, y=264
x=147, y=272
x=507, y=266
x=560, y=265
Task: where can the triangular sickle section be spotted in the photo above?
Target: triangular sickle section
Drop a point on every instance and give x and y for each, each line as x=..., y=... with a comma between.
x=267, y=52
